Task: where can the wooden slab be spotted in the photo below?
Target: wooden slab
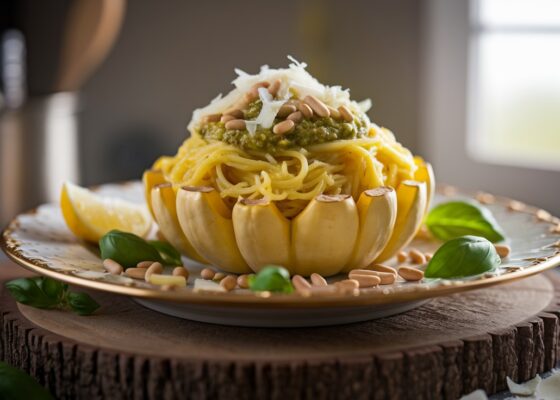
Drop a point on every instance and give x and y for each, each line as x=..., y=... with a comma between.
x=443, y=349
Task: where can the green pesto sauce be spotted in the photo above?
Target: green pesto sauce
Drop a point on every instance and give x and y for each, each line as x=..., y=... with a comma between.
x=306, y=133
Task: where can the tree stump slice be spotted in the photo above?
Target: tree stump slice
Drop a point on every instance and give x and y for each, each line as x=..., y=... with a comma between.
x=441, y=350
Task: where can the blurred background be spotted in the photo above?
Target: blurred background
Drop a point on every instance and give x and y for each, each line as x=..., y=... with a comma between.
x=94, y=90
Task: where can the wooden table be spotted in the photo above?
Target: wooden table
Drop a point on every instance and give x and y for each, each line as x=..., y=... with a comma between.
x=450, y=346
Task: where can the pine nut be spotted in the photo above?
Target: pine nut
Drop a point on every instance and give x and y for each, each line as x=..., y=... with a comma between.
x=284, y=127
x=218, y=276
x=346, y=114
x=295, y=116
x=317, y=106
x=212, y=118
x=417, y=256
x=286, y=110
x=136, y=273
x=366, y=281
x=226, y=118
x=300, y=283
x=251, y=95
x=411, y=274
x=305, y=110
x=112, y=266
x=167, y=288
x=334, y=112
x=207, y=273
x=155, y=268
x=514, y=205
x=386, y=277
x=383, y=268
x=347, y=285
x=318, y=280
x=402, y=256
x=229, y=282
x=236, y=113
x=243, y=281
x=181, y=271
x=428, y=256
x=273, y=89
x=264, y=84
x=503, y=250
x=235, y=124
x=144, y=264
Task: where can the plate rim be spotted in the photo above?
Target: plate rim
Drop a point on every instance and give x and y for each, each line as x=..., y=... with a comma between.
x=266, y=299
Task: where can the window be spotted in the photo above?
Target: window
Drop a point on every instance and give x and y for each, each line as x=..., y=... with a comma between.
x=514, y=99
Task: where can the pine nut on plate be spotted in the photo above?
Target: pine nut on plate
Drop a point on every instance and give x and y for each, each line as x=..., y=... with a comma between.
x=112, y=266
x=383, y=268
x=155, y=268
x=207, y=273
x=243, y=281
x=417, y=256
x=180, y=271
x=386, y=278
x=318, y=280
x=144, y=264
x=402, y=256
x=300, y=283
x=229, y=282
x=219, y=276
x=503, y=250
x=136, y=273
x=366, y=281
x=411, y=274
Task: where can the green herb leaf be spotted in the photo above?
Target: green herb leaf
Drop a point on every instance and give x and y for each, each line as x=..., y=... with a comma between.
x=81, y=303
x=27, y=291
x=17, y=385
x=54, y=289
x=47, y=293
x=272, y=278
x=458, y=218
x=127, y=249
x=167, y=252
x=463, y=256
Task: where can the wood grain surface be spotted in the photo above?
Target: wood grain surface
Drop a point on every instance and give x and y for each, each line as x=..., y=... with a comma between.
x=450, y=346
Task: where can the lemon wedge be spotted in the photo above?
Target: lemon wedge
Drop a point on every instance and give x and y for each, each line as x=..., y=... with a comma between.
x=90, y=215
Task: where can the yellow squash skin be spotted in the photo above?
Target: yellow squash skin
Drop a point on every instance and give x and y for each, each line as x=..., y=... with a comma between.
x=150, y=179
x=411, y=206
x=263, y=234
x=377, y=209
x=165, y=213
x=206, y=222
x=324, y=234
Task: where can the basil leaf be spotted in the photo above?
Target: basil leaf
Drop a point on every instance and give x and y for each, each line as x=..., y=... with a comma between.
x=458, y=218
x=54, y=289
x=81, y=303
x=461, y=257
x=167, y=252
x=26, y=291
x=272, y=278
x=127, y=249
x=17, y=385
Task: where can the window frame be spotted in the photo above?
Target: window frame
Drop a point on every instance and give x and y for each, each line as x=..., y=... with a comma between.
x=446, y=97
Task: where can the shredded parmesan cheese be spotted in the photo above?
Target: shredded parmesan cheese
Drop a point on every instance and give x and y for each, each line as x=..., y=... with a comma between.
x=294, y=79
